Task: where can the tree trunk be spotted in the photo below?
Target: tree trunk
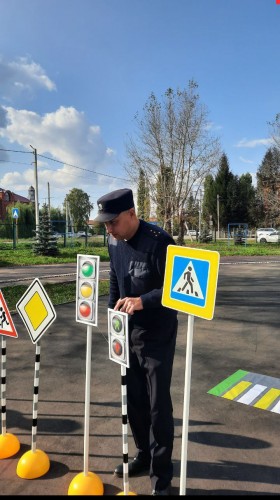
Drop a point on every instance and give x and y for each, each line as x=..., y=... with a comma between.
x=181, y=232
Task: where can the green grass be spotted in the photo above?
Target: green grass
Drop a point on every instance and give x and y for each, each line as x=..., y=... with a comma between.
x=61, y=293
x=226, y=248
x=22, y=255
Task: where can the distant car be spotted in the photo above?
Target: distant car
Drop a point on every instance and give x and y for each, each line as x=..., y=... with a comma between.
x=265, y=230
x=272, y=237
x=57, y=235
x=70, y=234
x=81, y=234
x=192, y=232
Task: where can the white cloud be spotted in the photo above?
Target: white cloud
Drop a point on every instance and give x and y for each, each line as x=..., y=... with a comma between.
x=246, y=161
x=244, y=143
x=22, y=75
x=64, y=135
x=213, y=126
x=254, y=178
x=64, y=140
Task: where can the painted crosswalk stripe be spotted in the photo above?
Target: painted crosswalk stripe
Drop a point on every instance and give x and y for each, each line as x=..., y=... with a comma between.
x=252, y=389
x=266, y=401
x=219, y=389
x=276, y=408
x=236, y=390
x=252, y=394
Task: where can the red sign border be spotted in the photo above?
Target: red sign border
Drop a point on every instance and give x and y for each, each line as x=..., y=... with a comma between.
x=5, y=332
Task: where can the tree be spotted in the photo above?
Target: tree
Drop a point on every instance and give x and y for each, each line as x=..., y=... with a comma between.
x=268, y=185
x=57, y=219
x=79, y=206
x=143, y=198
x=44, y=242
x=275, y=131
x=247, y=197
x=175, y=149
x=223, y=181
x=234, y=196
x=209, y=204
x=26, y=220
x=192, y=212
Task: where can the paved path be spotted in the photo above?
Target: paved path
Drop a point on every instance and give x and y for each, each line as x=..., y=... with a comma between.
x=52, y=273
x=233, y=449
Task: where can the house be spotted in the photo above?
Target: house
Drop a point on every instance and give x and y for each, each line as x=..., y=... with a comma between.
x=7, y=198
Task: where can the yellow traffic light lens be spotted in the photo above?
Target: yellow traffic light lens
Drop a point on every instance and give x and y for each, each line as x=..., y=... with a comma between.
x=86, y=290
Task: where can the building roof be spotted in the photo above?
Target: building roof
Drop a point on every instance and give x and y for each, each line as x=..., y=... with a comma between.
x=21, y=199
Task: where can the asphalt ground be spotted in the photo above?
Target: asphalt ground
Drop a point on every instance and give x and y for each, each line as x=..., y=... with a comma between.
x=232, y=448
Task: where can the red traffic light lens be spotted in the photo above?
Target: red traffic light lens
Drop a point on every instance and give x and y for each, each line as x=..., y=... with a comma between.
x=85, y=309
x=117, y=347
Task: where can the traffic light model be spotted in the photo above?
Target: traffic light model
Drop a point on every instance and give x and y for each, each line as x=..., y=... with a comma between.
x=118, y=337
x=87, y=289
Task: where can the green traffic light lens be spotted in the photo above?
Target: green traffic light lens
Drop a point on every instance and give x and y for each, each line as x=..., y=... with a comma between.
x=88, y=269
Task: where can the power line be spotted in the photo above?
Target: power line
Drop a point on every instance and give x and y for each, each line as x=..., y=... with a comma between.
x=14, y=151
x=63, y=163
x=82, y=168
x=17, y=162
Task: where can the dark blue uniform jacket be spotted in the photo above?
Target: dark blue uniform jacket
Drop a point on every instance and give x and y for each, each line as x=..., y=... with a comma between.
x=137, y=269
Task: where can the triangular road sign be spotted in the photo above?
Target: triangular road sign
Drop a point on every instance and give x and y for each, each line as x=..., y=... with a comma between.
x=7, y=326
x=188, y=283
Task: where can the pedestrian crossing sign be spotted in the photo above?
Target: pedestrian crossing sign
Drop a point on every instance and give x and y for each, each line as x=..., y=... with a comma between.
x=190, y=280
x=15, y=213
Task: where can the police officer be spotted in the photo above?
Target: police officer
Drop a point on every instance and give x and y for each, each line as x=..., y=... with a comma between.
x=137, y=252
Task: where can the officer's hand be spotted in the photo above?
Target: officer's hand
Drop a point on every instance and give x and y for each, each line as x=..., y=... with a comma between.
x=129, y=305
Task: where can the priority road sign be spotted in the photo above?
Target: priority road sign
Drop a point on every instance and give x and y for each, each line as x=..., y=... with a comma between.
x=36, y=310
x=190, y=280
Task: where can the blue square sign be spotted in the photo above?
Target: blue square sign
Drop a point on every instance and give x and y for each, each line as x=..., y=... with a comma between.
x=190, y=280
x=15, y=213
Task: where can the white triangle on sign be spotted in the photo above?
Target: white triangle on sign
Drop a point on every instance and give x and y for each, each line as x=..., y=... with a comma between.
x=7, y=326
x=188, y=283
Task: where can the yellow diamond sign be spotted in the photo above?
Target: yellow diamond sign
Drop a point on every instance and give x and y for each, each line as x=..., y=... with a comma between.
x=36, y=310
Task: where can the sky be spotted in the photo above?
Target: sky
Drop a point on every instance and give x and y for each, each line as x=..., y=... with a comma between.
x=74, y=73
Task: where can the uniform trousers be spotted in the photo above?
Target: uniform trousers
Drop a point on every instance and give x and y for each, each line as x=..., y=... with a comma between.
x=149, y=404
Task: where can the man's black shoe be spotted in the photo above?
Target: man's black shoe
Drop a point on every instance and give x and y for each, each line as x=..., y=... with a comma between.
x=135, y=467
x=161, y=493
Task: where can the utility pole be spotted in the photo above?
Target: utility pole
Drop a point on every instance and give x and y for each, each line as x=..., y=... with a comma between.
x=218, y=214
x=66, y=216
x=49, y=199
x=199, y=213
x=36, y=188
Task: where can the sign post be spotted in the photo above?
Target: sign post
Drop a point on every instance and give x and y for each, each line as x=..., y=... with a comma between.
x=119, y=352
x=15, y=215
x=9, y=443
x=190, y=283
x=86, y=482
x=37, y=312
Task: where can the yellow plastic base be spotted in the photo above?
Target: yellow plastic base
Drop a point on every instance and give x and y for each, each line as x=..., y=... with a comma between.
x=33, y=464
x=89, y=484
x=129, y=493
x=9, y=445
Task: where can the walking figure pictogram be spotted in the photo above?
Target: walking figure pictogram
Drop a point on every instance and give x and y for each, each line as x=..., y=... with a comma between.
x=3, y=318
x=188, y=281
x=188, y=284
